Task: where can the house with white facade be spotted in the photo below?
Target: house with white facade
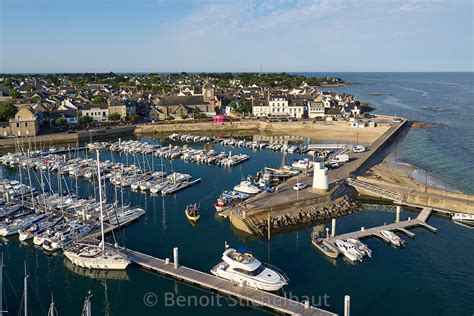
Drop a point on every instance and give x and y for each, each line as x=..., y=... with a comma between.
x=278, y=105
x=260, y=108
x=98, y=112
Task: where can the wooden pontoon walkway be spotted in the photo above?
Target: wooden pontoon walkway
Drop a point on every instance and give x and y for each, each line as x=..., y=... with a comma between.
x=420, y=220
x=260, y=298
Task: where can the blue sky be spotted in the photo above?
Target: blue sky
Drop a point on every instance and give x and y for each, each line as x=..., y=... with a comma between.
x=180, y=35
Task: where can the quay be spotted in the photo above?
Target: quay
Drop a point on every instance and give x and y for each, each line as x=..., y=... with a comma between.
x=402, y=226
x=210, y=282
x=285, y=201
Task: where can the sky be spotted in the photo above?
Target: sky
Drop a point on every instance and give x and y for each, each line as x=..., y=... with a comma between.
x=225, y=35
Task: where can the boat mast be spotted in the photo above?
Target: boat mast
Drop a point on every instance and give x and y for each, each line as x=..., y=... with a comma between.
x=29, y=179
x=25, y=289
x=100, y=203
x=1, y=284
x=51, y=307
x=86, y=308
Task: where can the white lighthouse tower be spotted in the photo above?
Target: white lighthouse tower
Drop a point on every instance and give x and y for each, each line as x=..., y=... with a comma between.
x=320, y=177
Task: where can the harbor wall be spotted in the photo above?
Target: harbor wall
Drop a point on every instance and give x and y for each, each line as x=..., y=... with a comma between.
x=378, y=146
x=435, y=198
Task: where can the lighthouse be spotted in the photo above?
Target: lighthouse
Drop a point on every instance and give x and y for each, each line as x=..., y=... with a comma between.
x=320, y=177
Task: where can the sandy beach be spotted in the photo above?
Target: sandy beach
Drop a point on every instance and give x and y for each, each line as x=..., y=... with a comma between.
x=409, y=181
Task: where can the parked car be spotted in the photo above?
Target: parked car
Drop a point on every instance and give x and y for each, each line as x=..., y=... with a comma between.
x=299, y=186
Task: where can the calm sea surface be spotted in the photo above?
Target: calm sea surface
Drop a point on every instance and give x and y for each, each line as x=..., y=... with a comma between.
x=431, y=276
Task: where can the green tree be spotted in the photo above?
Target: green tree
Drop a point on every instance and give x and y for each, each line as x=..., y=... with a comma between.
x=184, y=116
x=7, y=110
x=242, y=106
x=15, y=94
x=132, y=117
x=60, y=121
x=85, y=119
x=114, y=117
x=99, y=100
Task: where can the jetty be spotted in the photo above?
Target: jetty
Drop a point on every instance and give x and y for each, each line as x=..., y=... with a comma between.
x=210, y=282
x=400, y=226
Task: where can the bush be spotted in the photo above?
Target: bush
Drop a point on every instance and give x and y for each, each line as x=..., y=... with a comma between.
x=83, y=120
x=114, y=117
x=60, y=121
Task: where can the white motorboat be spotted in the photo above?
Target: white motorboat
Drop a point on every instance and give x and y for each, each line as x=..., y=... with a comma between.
x=247, y=187
x=241, y=267
x=463, y=218
x=360, y=247
x=348, y=250
x=392, y=238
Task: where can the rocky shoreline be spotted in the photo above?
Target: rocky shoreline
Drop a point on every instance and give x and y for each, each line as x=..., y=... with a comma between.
x=309, y=215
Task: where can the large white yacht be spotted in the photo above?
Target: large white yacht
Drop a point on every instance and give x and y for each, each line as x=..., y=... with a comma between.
x=247, y=187
x=242, y=267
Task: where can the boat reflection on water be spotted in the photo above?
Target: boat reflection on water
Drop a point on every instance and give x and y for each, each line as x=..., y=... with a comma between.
x=119, y=275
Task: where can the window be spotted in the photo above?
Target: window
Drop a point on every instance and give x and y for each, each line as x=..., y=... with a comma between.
x=17, y=125
x=26, y=124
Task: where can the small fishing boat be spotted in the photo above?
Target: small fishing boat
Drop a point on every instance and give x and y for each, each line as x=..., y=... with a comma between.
x=224, y=202
x=325, y=247
x=192, y=212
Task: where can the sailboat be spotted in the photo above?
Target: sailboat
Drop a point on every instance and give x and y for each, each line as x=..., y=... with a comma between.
x=89, y=255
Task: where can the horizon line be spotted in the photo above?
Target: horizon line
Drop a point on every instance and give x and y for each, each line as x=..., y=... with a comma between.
x=222, y=72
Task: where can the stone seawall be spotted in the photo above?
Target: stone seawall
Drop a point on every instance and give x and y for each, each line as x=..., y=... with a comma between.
x=308, y=214
x=435, y=198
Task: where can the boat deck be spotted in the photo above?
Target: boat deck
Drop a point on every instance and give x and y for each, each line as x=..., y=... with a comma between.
x=264, y=299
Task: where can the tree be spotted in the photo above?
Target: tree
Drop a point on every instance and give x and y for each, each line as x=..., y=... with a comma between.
x=60, y=121
x=114, y=117
x=99, y=100
x=242, y=106
x=184, y=116
x=132, y=117
x=85, y=119
x=15, y=94
x=7, y=110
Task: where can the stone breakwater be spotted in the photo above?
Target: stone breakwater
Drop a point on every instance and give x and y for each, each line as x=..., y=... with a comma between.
x=307, y=215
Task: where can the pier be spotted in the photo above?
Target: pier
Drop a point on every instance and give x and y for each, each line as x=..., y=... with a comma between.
x=420, y=220
x=210, y=282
